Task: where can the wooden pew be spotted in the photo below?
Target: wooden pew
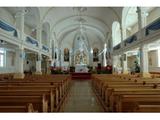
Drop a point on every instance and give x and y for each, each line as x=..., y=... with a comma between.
x=50, y=96
x=147, y=108
x=108, y=89
x=38, y=85
x=113, y=93
x=40, y=102
x=125, y=103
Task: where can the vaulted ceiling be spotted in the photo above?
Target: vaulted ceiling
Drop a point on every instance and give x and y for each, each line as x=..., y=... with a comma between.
x=64, y=21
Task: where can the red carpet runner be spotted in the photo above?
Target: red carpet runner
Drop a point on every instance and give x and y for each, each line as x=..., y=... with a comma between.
x=81, y=76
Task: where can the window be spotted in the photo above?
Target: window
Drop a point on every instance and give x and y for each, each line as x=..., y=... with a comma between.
x=116, y=33
x=2, y=57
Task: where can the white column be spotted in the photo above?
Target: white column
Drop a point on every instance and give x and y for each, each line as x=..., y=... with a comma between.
x=111, y=62
x=124, y=55
x=124, y=64
x=39, y=35
x=124, y=34
x=144, y=61
x=104, y=55
x=57, y=59
x=139, y=18
x=50, y=45
x=39, y=60
x=142, y=20
x=60, y=58
x=20, y=22
x=19, y=63
x=70, y=57
x=91, y=57
x=158, y=57
x=38, y=64
x=143, y=17
x=20, y=55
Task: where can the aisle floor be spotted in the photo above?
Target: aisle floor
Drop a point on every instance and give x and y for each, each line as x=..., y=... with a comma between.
x=81, y=98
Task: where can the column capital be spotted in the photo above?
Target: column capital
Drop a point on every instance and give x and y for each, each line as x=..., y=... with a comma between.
x=138, y=10
x=21, y=13
x=144, y=47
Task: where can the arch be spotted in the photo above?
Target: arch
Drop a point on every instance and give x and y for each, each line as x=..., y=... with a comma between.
x=129, y=21
x=68, y=30
x=116, y=33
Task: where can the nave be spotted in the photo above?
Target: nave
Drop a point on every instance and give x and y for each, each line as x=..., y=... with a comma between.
x=59, y=93
x=44, y=50
x=81, y=98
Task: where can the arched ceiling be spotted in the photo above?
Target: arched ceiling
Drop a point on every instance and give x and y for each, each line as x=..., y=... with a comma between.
x=65, y=19
x=32, y=15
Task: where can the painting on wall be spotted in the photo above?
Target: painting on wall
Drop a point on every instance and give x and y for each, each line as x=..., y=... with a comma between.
x=66, y=55
x=95, y=55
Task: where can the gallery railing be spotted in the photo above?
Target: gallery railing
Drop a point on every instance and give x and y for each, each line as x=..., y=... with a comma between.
x=30, y=40
x=130, y=40
x=153, y=27
x=117, y=47
x=45, y=48
x=8, y=28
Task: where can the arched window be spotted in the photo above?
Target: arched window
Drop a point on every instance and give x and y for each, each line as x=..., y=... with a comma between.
x=129, y=21
x=116, y=33
x=2, y=57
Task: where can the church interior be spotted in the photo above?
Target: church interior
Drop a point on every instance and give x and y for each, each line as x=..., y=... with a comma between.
x=79, y=59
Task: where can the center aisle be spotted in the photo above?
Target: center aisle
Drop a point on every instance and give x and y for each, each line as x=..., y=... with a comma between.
x=81, y=98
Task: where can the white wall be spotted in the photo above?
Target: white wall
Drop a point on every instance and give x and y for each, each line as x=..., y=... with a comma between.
x=153, y=15
x=153, y=61
x=153, y=58
x=28, y=30
x=7, y=17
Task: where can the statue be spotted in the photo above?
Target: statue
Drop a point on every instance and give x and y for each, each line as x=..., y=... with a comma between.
x=81, y=58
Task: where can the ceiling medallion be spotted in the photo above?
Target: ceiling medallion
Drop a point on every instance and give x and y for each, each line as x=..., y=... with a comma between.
x=80, y=9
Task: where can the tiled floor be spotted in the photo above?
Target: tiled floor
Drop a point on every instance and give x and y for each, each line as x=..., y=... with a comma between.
x=81, y=98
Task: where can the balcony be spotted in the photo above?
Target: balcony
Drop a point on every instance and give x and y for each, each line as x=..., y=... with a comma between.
x=8, y=29
x=31, y=41
x=117, y=47
x=131, y=40
x=45, y=48
x=153, y=27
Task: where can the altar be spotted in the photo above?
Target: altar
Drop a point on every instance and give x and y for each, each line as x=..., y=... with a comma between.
x=81, y=68
x=81, y=72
